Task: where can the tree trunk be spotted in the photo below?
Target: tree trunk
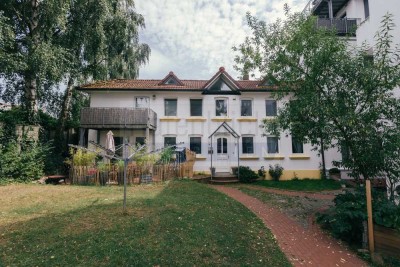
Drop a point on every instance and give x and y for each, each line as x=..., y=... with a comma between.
x=323, y=159
x=30, y=99
x=66, y=107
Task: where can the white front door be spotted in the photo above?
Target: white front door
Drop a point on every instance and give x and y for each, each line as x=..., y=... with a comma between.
x=222, y=157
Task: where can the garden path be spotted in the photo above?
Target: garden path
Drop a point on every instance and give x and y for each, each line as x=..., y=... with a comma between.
x=303, y=247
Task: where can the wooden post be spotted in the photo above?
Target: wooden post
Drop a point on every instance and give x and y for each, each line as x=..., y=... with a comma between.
x=370, y=221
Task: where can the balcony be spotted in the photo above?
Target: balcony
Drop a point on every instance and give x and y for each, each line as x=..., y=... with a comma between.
x=321, y=8
x=118, y=118
x=341, y=26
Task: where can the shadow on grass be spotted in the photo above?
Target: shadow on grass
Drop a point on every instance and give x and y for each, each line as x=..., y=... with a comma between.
x=185, y=224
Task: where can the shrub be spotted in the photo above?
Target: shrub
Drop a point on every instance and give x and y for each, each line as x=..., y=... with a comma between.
x=345, y=219
x=275, y=171
x=22, y=162
x=334, y=171
x=261, y=172
x=246, y=175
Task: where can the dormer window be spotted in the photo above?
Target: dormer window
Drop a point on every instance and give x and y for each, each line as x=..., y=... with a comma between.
x=220, y=85
x=171, y=80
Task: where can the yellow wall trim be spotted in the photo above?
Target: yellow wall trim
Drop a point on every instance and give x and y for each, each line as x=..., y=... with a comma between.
x=278, y=157
x=301, y=174
x=247, y=119
x=196, y=119
x=221, y=119
x=248, y=157
x=299, y=156
x=200, y=157
x=170, y=119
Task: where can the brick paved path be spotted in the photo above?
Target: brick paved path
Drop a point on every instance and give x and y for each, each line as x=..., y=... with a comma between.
x=309, y=247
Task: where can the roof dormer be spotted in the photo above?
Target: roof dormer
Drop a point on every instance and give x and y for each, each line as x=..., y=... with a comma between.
x=221, y=84
x=171, y=79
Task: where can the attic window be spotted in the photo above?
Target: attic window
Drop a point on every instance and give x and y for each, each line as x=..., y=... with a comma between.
x=220, y=85
x=267, y=82
x=171, y=80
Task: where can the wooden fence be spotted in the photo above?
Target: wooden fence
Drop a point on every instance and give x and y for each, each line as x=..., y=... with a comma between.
x=114, y=174
x=387, y=241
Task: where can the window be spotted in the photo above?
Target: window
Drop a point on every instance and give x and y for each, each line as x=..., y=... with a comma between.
x=247, y=145
x=139, y=141
x=196, y=107
x=246, y=108
x=169, y=141
x=170, y=107
x=297, y=146
x=220, y=85
x=195, y=144
x=142, y=102
x=366, y=9
x=221, y=107
x=272, y=145
x=171, y=80
x=222, y=145
x=270, y=106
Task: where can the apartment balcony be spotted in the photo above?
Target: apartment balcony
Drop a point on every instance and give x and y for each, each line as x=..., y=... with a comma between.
x=341, y=26
x=118, y=118
x=323, y=9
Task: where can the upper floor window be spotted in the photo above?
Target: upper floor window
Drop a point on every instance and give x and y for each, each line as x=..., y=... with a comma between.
x=195, y=144
x=247, y=145
x=170, y=107
x=270, y=107
x=366, y=9
x=297, y=146
x=246, y=107
x=196, y=107
x=272, y=145
x=221, y=107
x=142, y=102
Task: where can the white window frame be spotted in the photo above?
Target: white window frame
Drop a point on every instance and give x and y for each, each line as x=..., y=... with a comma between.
x=241, y=147
x=165, y=106
x=278, y=142
x=190, y=106
x=136, y=103
x=265, y=107
x=227, y=106
x=252, y=107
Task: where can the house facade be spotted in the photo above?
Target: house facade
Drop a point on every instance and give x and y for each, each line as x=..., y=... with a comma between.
x=218, y=118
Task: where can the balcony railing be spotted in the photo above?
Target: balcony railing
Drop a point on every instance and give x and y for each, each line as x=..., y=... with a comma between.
x=342, y=26
x=109, y=118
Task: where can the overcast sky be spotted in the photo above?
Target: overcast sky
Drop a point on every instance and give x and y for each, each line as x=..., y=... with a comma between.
x=193, y=38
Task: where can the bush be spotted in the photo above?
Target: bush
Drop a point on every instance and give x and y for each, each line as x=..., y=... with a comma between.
x=246, y=175
x=345, y=219
x=24, y=162
x=334, y=171
x=275, y=171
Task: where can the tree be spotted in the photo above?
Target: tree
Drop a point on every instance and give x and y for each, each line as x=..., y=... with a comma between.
x=334, y=95
x=72, y=40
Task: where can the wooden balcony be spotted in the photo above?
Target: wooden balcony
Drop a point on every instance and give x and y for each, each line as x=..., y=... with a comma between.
x=341, y=26
x=118, y=118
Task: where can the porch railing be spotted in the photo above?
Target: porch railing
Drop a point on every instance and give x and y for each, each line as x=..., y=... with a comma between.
x=131, y=118
x=343, y=26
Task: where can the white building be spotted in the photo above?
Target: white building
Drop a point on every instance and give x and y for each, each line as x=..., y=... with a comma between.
x=219, y=119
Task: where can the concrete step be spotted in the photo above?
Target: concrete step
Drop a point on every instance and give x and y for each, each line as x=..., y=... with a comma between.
x=230, y=181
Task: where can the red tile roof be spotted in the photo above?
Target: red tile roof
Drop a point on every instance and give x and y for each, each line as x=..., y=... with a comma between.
x=187, y=85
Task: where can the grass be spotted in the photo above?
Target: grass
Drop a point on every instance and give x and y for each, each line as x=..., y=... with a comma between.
x=310, y=185
x=175, y=224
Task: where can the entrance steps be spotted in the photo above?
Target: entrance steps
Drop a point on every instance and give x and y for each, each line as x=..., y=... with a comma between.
x=224, y=178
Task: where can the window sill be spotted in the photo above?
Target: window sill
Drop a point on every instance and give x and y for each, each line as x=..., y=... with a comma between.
x=221, y=119
x=299, y=156
x=196, y=119
x=200, y=157
x=274, y=156
x=170, y=119
x=249, y=157
x=270, y=118
x=247, y=119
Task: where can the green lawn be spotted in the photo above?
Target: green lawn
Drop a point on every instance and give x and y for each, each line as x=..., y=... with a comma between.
x=302, y=185
x=182, y=223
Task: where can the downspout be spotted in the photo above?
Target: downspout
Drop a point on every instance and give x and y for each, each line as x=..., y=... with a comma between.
x=238, y=172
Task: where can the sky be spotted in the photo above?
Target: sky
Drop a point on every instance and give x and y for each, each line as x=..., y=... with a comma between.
x=193, y=38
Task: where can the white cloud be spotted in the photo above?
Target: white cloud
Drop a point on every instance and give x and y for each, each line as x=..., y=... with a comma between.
x=194, y=38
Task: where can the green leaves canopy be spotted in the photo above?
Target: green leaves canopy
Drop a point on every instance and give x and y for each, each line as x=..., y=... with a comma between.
x=332, y=91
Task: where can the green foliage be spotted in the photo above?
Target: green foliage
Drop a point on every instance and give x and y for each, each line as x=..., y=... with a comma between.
x=22, y=162
x=345, y=219
x=334, y=171
x=336, y=96
x=81, y=157
x=261, y=172
x=246, y=175
x=166, y=155
x=275, y=171
x=313, y=185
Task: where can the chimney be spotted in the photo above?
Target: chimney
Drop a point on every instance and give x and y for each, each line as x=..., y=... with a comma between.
x=246, y=76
